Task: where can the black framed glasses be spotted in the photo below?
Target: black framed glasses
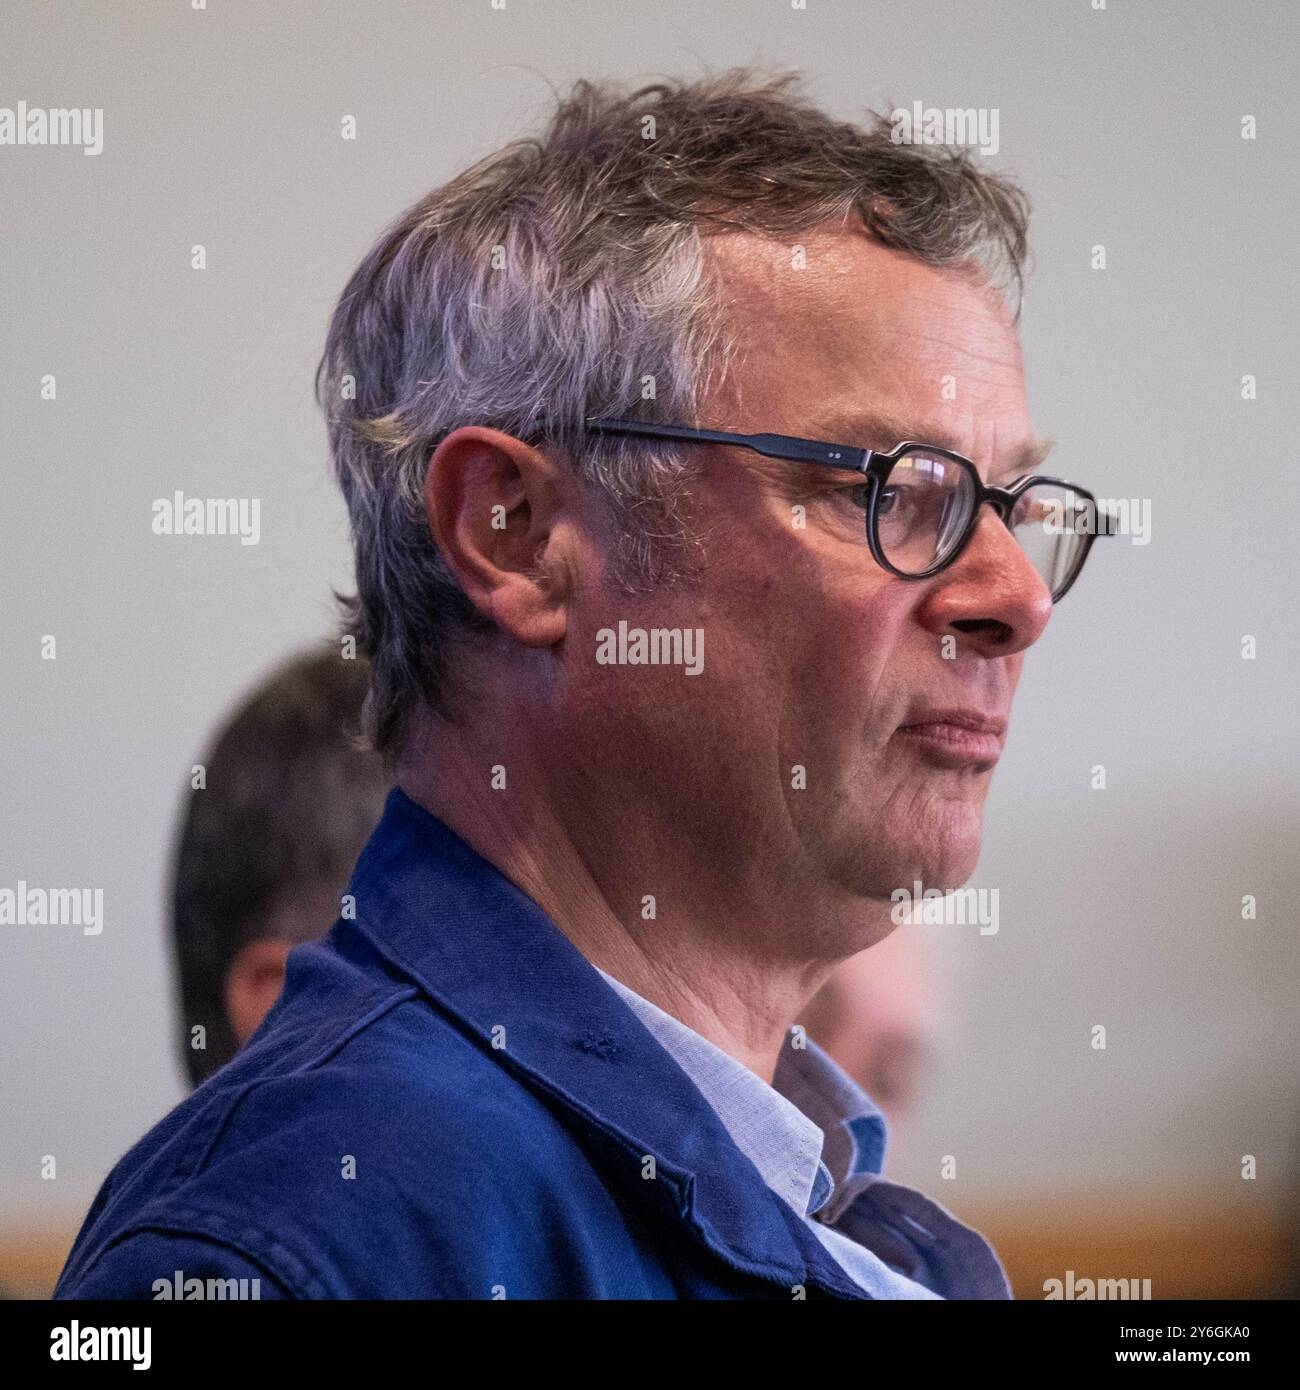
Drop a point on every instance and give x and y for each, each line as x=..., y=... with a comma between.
x=923, y=502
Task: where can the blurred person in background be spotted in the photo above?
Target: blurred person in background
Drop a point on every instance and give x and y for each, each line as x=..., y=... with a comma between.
x=879, y=1016
x=288, y=799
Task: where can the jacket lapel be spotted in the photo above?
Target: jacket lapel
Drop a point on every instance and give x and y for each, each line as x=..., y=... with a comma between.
x=485, y=954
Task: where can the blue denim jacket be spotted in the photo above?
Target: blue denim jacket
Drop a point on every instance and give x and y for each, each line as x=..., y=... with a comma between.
x=448, y=1101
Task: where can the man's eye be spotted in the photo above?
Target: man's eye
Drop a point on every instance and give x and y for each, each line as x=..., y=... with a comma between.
x=859, y=495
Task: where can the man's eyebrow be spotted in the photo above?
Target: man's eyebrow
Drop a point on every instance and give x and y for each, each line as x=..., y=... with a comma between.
x=881, y=431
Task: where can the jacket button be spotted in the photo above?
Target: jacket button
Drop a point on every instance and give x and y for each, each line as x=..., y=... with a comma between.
x=600, y=1044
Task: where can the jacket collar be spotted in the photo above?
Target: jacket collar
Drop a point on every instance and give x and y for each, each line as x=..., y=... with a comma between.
x=487, y=955
x=811, y=1130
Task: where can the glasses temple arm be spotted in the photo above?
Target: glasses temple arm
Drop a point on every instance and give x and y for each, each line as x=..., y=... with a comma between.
x=778, y=446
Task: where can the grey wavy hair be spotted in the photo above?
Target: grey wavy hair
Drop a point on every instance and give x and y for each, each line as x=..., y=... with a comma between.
x=564, y=277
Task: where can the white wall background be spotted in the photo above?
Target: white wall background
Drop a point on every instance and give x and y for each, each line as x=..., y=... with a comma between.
x=1121, y=907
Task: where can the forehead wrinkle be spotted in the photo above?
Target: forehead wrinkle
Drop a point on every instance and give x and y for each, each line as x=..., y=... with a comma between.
x=980, y=352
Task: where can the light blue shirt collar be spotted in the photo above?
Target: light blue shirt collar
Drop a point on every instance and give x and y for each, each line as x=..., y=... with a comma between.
x=809, y=1131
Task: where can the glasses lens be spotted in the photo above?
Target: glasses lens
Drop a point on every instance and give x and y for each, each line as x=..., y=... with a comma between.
x=923, y=510
x=1052, y=522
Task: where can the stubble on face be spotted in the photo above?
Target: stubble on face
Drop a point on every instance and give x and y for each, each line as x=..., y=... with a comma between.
x=841, y=652
x=778, y=772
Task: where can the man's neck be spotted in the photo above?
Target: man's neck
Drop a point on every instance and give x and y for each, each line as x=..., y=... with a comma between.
x=707, y=969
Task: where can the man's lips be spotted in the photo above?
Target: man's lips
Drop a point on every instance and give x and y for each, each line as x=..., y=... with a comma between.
x=955, y=737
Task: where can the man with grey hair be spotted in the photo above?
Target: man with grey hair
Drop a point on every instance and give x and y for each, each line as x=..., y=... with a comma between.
x=667, y=439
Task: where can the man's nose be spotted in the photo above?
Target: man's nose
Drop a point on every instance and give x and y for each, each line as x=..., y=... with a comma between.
x=992, y=598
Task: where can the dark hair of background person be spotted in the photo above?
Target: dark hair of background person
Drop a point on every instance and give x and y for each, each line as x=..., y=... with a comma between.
x=290, y=799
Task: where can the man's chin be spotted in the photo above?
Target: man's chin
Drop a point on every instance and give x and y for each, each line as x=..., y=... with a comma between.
x=915, y=873
x=936, y=865
x=873, y=855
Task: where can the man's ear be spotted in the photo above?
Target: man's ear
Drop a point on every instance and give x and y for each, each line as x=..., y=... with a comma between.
x=253, y=984
x=496, y=510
